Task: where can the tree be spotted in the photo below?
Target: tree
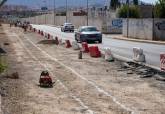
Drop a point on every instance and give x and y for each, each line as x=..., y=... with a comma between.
x=160, y=9
x=114, y=4
x=135, y=2
x=133, y=12
x=2, y=2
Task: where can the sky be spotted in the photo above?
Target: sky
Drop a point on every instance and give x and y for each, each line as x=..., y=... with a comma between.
x=39, y=3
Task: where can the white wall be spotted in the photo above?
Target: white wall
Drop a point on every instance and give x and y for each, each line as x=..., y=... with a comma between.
x=145, y=29
x=59, y=20
x=138, y=28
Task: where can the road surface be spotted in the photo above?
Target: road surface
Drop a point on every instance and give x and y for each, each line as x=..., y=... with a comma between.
x=86, y=86
x=118, y=47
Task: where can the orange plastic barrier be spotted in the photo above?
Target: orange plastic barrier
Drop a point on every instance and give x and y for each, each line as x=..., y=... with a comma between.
x=94, y=51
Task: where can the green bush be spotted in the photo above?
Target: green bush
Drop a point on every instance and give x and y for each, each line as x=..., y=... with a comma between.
x=133, y=12
x=160, y=9
x=2, y=67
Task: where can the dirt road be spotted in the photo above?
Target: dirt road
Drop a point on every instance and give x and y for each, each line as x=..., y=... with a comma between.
x=87, y=86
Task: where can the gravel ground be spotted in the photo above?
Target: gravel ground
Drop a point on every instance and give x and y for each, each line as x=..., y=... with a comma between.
x=87, y=86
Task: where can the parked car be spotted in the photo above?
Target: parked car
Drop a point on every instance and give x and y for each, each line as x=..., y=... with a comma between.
x=67, y=27
x=88, y=33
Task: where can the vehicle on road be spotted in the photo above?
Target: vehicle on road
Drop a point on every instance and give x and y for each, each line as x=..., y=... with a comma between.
x=45, y=80
x=67, y=27
x=88, y=33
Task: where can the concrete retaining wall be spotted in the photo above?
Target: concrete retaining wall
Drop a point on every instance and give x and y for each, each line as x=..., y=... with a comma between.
x=112, y=26
x=145, y=29
x=59, y=20
x=138, y=28
x=159, y=29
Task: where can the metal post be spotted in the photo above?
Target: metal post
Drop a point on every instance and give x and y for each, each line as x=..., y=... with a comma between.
x=128, y=19
x=66, y=11
x=153, y=23
x=87, y=12
x=45, y=11
x=54, y=12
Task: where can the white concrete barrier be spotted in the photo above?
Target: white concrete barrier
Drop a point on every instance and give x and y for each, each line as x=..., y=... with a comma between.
x=75, y=45
x=108, y=54
x=61, y=42
x=162, y=61
x=138, y=54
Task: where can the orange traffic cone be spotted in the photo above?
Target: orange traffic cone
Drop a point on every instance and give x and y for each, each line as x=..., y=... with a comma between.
x=42, y=33
x=67, y=44
x=56, y=40
x=48, y=36
x=85, y=47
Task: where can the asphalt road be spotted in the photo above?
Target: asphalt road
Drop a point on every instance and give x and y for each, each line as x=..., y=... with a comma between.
x=119, y=48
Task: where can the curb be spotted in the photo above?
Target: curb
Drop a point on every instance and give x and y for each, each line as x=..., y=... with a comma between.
x=137, y=40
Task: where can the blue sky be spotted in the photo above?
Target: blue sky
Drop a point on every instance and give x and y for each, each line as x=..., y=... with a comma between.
x=39, y=3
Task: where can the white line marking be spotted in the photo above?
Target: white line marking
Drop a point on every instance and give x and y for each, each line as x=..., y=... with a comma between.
x=90, y=82
x=73, y=96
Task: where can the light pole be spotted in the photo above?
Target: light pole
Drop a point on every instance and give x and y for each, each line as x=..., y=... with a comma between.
x=54, y=11
x=45, y=10
x=128, y=19
x=153, y=22
x=66, y=10
x=87, y=12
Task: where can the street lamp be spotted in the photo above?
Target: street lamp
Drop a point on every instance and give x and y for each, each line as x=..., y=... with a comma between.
x=153, y=22
x=45, y=10
x=128, y=19
x=66, y=10
x=54, y=11
x=87, y=12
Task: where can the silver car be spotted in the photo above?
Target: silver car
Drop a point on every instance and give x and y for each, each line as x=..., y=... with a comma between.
x=67, y=27
x=88, y=33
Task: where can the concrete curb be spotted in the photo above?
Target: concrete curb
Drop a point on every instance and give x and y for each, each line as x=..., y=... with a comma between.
x=126, y=59
x=118, y=57
x=136, y=40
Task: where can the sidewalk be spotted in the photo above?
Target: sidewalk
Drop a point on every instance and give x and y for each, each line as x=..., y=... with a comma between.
x=120, y=37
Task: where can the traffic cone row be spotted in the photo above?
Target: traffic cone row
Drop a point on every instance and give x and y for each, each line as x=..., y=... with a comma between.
x=92, y=50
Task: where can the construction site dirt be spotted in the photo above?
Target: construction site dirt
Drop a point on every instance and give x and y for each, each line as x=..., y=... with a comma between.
x=82, y=86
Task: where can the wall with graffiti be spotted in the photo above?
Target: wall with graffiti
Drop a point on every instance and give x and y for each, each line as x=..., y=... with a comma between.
x=159, y=29
x=146, y=29
x=112, y=26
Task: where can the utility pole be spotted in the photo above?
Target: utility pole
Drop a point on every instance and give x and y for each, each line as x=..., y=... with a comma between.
x=128, y=19
x=54, y=11
x=87, y=13
x=45, y=10
x=153, y=22
x=66, y=10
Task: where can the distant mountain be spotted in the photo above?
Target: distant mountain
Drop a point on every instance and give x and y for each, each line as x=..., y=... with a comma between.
x=61, y=3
